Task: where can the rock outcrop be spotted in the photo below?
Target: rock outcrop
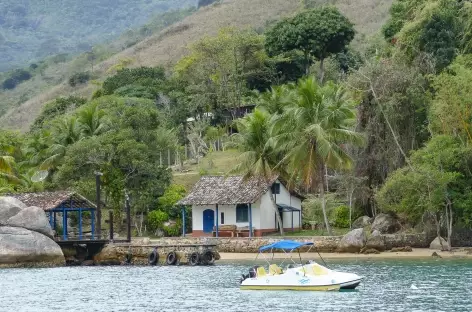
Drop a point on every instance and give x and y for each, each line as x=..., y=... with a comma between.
x=9, y=207
x=386, y=224
x=25, y=236
x=436, y=244
x=31, y=218
x=353, y=241
x=361, y=222
x=376, y=241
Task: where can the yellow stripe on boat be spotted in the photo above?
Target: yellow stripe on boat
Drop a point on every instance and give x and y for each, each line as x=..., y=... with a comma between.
x=306, y=288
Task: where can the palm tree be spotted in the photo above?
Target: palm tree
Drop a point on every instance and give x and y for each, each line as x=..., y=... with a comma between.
x=319, y=122
x=65, y=133
x=258, y=158
x=93, y=120
x=276, y=99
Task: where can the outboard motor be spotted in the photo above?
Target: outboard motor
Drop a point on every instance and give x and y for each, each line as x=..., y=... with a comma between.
x=252, y=274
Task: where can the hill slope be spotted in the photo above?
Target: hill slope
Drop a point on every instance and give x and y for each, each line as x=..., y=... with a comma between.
x=171, y=44
x=32, y=29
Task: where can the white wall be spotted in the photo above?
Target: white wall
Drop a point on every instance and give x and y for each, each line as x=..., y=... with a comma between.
x=230, y=216
x=268, y=214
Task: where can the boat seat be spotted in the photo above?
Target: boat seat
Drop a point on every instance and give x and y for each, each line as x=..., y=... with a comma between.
x=261, y=271
x=319, y=270
x=274, y=269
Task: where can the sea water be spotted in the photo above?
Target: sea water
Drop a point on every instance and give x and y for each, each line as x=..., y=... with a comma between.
x=407, y=285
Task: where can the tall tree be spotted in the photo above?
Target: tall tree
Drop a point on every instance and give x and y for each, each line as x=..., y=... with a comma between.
x=258, y=158
x=321, y=119
x=318, y=33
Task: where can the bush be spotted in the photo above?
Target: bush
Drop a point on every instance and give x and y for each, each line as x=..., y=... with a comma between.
x=79, y=78
x=340, y=216
x=202, y=3
x=156, y=219
x=9, y=84
x=173, y=230
x=144, y=76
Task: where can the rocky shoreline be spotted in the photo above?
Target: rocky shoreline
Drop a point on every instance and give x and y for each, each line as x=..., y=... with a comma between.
x=26, y=237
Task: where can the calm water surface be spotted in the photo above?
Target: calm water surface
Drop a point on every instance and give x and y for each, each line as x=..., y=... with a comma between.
x=444, y=285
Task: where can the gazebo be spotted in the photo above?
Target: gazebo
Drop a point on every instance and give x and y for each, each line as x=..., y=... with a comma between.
x=61, y=202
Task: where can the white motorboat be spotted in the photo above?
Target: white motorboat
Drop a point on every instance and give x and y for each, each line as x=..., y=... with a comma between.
x=296, y=276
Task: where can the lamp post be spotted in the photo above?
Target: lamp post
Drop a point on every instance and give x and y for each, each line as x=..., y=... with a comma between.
x=99, y=210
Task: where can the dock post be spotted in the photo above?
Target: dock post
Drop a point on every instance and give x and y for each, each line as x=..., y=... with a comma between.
x=216, y=220
x=110, y=220
x=250, y=220
x=183, y=221
x=92, y=216
x=99, y=210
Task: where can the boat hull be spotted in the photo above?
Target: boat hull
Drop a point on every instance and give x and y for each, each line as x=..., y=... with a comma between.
x=294, y=287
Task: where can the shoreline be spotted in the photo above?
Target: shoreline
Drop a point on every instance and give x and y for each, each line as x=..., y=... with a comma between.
x=417, y=253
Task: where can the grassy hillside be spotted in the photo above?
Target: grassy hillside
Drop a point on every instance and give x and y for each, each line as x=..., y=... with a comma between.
x=31, y=30
x=215, y=163
x=171, y=44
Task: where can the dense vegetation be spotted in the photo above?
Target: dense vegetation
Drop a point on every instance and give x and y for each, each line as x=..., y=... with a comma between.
x=32, y=30
x=385, y=129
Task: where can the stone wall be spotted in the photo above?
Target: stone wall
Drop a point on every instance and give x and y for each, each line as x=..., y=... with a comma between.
x=322, y=243
x=461, y=238
x=140, y=249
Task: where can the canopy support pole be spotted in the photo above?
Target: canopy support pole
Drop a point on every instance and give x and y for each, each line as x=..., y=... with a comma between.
x=80, y=223
x=250, y=220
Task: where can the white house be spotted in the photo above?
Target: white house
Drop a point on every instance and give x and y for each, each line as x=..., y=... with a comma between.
x=231, y=205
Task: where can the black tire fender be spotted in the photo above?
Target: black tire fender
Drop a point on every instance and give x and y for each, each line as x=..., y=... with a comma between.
x=153, y=257
x=171, y=258
x=194, y=259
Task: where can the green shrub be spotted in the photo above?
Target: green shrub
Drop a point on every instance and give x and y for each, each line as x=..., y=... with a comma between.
x=79, y=78
x=156, y=219
x=173, y=230
x=9, y=84
x=144, y=76
x=340, y=216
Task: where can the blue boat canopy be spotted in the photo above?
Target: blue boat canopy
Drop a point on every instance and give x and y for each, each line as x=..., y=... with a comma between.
x=285, y=245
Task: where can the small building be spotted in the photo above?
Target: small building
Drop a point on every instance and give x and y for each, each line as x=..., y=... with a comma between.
x=221, y=202
x=60, y=204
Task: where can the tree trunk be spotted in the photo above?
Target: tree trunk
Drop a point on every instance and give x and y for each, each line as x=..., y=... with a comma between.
x=307, y=63
x=322, y=72
x=277, y=214
x=449, y=221
x=438, y=229
x=323, y=202
x=350, y=208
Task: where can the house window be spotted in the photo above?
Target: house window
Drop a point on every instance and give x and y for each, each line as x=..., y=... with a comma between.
x=242, y=213
x=222, y=218
x=276, y=188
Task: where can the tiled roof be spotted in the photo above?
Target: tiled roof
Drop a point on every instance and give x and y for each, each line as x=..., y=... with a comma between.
x=51, y=200
x=211, y=190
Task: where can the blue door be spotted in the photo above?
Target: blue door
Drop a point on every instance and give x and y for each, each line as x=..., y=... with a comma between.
x=208, y=220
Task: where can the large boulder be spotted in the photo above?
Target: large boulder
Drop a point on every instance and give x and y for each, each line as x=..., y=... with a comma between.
x=386, y=224
x=32, y=218
x=375, y=241
x=9, y=206
x=361, y=222
x=20, y=246
x=353, y=241
x=436, y=244
x=26, y=236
